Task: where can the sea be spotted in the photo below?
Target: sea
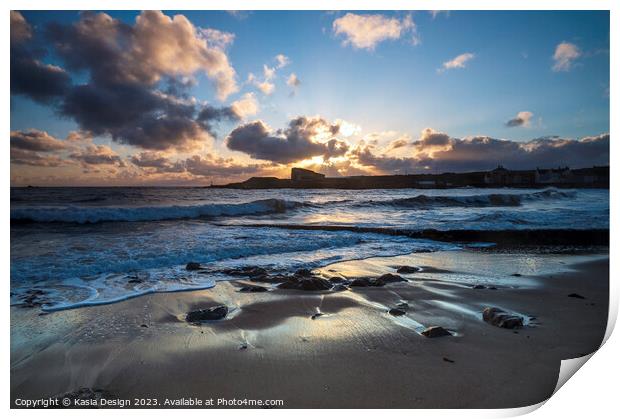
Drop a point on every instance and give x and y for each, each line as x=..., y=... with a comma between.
x=74, y=247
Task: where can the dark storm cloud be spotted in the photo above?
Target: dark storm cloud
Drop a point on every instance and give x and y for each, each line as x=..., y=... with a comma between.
x=300, y=140
x=29, y=76
x=126, y=65
x=485, y=153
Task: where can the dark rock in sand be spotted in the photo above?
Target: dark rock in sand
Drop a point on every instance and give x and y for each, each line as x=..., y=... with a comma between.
x=193, y=266
x=493, y=288
x=337, y=280
x=402, y=306
x=359, y=282
x=340, y=287
x=500, y=318
x=388, y=278
x=408, y=270
x=306, y=284
x=574, y=295
x=253, y=288
x=516, y=274
x=143, y=325
x=303, y=272
x=34, y=298
x=436, y=332
x=479, y=287
x=84, y=394
x=315, y=316
x=396, y=312
x=448, y=360
x=207, y=314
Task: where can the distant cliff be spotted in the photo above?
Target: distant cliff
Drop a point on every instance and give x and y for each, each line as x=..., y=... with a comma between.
x=594, y=177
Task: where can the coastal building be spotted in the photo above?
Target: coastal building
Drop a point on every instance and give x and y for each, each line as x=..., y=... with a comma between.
x=503, y=176
x=305, y=174
x=559, y=175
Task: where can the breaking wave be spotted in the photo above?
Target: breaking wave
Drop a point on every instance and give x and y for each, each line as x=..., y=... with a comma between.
x=483, y=200
x=84, y=215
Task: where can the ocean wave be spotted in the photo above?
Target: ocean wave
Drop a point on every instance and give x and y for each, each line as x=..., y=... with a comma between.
x=482, y=200
x=84, y=215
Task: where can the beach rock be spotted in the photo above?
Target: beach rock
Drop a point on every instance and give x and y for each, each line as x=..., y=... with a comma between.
x=479, y=287
x=574, y=295
x=253, y=288
x=448, y=360
x=407, y=269
x=396, y=312
x=306, y=284
x=389, y=278
x=303, y=272
x=34, y=298
x=500, y=318
x=316, y=315
x=337, y=280
x=376, y=282
x=207, y=314
x=402, y=306
x=435, y=332
x=144, y=325
x=340, y=287
x=516, y=274
x=193, y=266
x=359, y=282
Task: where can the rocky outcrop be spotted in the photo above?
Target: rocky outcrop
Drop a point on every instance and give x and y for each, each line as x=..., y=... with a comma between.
x=208, y=314
x=253, y=288
x=435, y=332
x=193, y=266
x=498, y=317
x=389, y=278
x=313, y=283
x=407, y=269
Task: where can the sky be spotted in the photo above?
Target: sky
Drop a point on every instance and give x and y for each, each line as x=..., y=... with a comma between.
x=201, y=97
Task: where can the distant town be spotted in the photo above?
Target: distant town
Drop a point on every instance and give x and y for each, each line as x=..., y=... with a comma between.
x=563, y=177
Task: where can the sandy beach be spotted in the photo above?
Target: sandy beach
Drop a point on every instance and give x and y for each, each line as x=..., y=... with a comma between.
x=273, y=345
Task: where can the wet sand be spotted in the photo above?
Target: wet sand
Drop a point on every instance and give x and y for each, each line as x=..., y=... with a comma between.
x=355, y=355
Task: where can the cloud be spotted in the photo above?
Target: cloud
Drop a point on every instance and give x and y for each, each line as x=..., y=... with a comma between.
x=304, y=138
x=156, y=46
x=367, y=31
x=29, y=76
x=457, y=62
x=35, y=140
x=32, y=158
x=438, y=152
x=218, y=39
x=246, y=106
x=126, y=66
x=435, y=13
x=94, y=155
x=293, y=81
x=282, y=60
x=564, y=56
x=521, y=120
x=201, y=166
x=20, y=29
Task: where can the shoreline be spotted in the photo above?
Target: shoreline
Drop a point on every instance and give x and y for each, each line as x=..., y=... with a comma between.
x=353, y=355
